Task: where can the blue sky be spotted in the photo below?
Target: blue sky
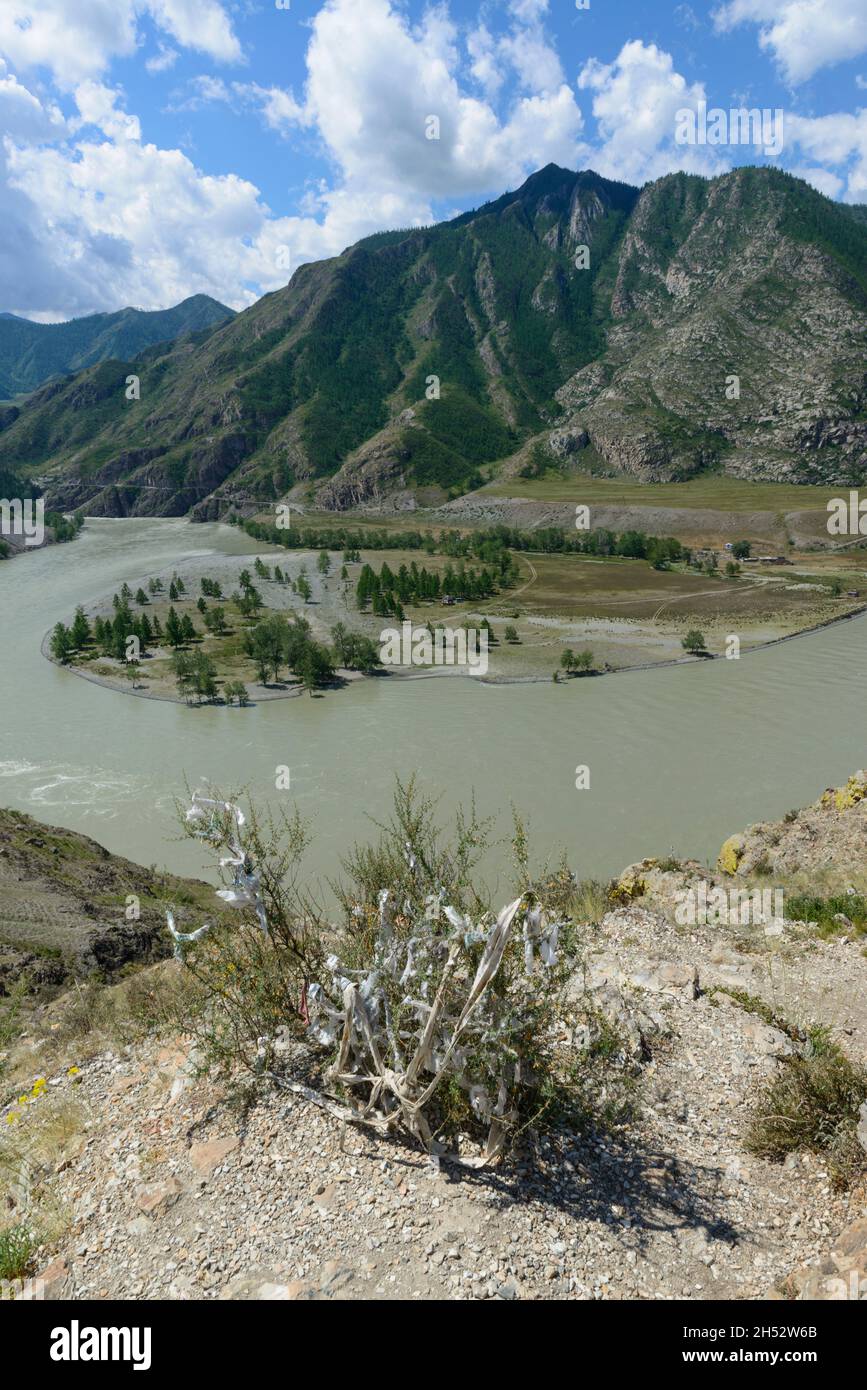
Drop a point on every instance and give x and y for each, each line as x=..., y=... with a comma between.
x=157, y=148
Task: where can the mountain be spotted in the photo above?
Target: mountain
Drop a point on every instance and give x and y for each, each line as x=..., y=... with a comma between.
x=422, y=361
x=33, y=353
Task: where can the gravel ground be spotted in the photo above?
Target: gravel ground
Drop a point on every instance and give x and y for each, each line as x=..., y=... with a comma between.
x=170, y=1192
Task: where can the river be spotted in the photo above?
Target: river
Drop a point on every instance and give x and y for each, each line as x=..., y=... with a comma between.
x=679, y=757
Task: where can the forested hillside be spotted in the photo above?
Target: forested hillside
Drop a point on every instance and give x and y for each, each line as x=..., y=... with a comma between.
x=694, y=325
x=33, y=353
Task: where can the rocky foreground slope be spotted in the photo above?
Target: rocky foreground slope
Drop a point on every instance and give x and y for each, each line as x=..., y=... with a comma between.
x=167, y=1189
x=691, y=325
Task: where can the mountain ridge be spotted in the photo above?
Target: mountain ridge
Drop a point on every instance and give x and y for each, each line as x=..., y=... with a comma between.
x=33, y=353
x=419, y=363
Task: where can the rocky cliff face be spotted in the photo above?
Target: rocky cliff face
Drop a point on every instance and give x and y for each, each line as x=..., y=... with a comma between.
x=829, y=836
x=692, y=325
x=736, y=340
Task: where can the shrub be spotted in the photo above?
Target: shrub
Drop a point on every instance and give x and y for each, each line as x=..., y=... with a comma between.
x=17, y=1247
x=236, y=690
x=813, y=1104
x=426, y=1011
x=251, y=983
x=806, y=907
x=590, y=902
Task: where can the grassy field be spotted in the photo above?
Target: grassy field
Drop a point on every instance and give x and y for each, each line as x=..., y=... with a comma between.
x=777, y=518
x=574, y=587
x=712, y=491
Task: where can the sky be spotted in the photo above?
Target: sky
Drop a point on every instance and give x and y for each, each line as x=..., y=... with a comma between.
x=154, y=149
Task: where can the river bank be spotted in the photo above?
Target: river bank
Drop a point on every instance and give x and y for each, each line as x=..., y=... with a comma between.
x=122, y=686
x=618, y=644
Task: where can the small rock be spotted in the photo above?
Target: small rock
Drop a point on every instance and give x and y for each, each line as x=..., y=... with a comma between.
x=51, y=1285
x=153, y=1198
x=667, y=979
x=208, y=1156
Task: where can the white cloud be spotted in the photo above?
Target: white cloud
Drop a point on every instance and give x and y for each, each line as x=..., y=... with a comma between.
x=97, y=105
x=838, y=141
x=375, y=129
x=279, y=108
x=32, y=279
x=165, y=58
x=127, y=223
x=78, y=40
x=201, y=91
x=75, y=41
x=91, y=225
x=485, y=65
x=525, y=51
x=536, y=63
x=530, y=11
x=686, y=17
x=199, y=24
x=822, y=179
x=116, y=221
x=803, y=35
x=94, y=221
x=635, y=101
x=22, y=115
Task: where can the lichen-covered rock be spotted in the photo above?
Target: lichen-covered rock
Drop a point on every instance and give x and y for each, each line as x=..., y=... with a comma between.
x=830, y=834
x=631, y=883
x=843, y=798
x=731, y=854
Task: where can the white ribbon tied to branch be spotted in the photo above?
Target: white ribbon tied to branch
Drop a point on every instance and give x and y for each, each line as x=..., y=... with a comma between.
x=205, y=817
x=372, y=1052
x=400, y=1061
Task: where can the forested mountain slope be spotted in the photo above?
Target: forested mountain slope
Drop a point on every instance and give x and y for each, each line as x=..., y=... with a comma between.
x=420, y=360
x=33, y=353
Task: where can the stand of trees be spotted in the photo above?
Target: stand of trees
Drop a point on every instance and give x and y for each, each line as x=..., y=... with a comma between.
x=277, y=643
x=274, y=642
x=386, y=592
x=354, y=652
x=577, y=664
x=196, y=675
x=487, y=544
